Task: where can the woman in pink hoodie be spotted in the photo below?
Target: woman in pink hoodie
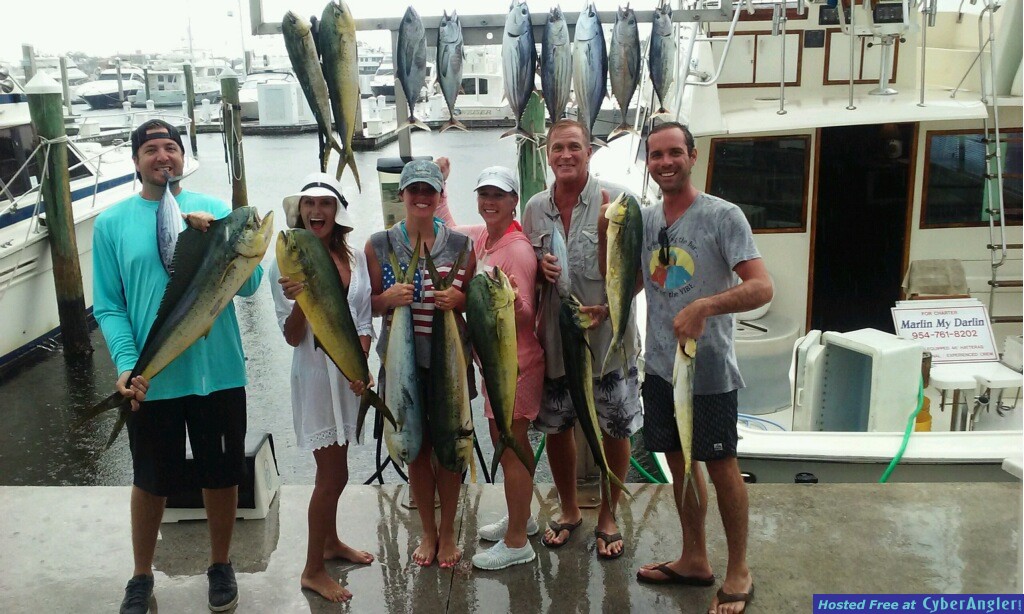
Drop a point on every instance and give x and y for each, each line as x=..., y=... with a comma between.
x=500, y=242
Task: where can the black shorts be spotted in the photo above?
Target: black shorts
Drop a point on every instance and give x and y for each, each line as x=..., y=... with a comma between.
x=714, y=421
x=216, y=431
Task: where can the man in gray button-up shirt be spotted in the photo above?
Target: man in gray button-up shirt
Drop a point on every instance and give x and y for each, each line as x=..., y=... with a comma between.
x=571, y=207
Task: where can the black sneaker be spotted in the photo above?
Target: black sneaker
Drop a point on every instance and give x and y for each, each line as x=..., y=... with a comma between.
x=223, y=588
x=137, y=594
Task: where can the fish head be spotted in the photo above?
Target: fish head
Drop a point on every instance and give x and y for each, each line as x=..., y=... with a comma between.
x=627, y=18
x=556, y=30
x=570, y=318
x=518, y=20
x=400, y=444
x=494, y=284
x=450, y=30
x=296, y=249
x=253, y=233
x=293, y=24
x=588, y=25
x=616, y=212
x=662, y=25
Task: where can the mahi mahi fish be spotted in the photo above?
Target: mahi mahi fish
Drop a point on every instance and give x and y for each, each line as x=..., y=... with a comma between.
x=625, y=233
x=303, y=258
x=491, y=320
x=168, y=223
x=301, y=46
x=411, y=63
x=682, y=399
x=580, y=381
x=519, y=63
x=590, y=67
x=401, y=379
x=209, y=269
x=624, y=65
x=662, y=57
x=448, y=412
x=450, y=56
x=337, y=38
x=556, y=64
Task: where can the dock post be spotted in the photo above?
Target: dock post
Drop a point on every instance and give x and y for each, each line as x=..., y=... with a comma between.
x=145, y=78
x=45, y=108
x=64, y=83
x=532, y=161
x=28, y=62
x=232, y=126
x=120, y=82
x=190, y=100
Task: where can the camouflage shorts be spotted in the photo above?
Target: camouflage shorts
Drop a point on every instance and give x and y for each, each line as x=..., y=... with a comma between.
x=616, y=399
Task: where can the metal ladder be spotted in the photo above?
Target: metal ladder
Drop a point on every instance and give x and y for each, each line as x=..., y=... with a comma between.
x=997, y=245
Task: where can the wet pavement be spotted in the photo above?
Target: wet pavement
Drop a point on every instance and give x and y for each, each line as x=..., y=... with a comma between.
x=68, y=549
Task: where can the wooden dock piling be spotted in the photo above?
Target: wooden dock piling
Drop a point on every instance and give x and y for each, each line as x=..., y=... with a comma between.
x=64, y=83
x=232, y=126
x=120, y=83
x=44, y=101
x=145, y=77
x=190, y=101
x=28, y=61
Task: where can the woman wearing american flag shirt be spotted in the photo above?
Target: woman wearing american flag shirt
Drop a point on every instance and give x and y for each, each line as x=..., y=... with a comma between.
x=420, y=188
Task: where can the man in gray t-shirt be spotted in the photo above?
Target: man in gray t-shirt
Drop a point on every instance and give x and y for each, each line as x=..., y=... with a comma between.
x=693, y=245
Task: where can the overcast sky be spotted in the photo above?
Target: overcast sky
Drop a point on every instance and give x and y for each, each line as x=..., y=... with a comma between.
x=110, y=27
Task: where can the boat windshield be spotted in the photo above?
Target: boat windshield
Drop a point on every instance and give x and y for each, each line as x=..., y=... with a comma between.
x=384, y=72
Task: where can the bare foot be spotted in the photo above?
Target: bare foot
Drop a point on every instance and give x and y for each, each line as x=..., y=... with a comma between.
x=335, y=549
x=425, y=552
x=448, y=553
x=326, y=586
x=651, y=571
x=739, y=593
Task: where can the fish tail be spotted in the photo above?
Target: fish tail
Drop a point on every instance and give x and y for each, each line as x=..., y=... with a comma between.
x=371, y=398
x=615, y=480
x=621, y=130
x=606, y=490
x=660, y=112
x=524, y=456
x=689, y=482
x=412, y=122
x=454, y=123
x=518, y=130
x=499, y=450
x=349, y=160
x=112, y=402
x=122, y=417
x=599, y=143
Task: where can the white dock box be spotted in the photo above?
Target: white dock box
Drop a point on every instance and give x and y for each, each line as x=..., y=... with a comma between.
x=282, y=104
x=255, y=494
x=862, y=381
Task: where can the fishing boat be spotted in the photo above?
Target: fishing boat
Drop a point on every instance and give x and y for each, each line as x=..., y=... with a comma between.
x=383, y=82
x=167, y=84
x=99, y=177
x=103, y=93
x=857, y=158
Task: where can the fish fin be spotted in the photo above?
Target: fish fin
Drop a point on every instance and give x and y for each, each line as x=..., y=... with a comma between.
x=364, y=407
x=454, y=123
x=621, y=130
x=122, y=417
x=499, y=449
x=112, y=402
x=519, y=131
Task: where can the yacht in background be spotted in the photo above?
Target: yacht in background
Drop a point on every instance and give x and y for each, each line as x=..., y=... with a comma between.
x=103, y=92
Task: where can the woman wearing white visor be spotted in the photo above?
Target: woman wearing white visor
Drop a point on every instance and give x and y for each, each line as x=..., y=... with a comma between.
x=324, y=403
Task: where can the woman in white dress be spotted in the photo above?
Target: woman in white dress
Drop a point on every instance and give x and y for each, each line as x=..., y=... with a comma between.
x=324, y=403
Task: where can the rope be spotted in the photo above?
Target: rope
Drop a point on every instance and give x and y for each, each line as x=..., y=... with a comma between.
x=35, y=214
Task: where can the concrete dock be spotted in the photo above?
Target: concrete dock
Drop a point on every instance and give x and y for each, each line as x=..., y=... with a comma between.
x=68, y=549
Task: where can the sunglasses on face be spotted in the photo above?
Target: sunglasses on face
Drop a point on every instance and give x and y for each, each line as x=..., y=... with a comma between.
x=663, y=252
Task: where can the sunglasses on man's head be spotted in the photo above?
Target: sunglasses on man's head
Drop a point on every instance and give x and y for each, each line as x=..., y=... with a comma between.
x=663, y=250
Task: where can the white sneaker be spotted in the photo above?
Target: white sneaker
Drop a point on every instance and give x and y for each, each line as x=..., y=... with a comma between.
x=501, y=556
x=495, y=531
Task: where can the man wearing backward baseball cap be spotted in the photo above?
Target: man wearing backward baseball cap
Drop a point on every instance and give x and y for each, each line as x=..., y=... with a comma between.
x=204, y=388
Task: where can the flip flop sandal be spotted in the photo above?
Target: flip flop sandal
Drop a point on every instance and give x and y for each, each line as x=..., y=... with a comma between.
x=558, y=528
x=608, y=541
x=746, y=598
x=671, y=577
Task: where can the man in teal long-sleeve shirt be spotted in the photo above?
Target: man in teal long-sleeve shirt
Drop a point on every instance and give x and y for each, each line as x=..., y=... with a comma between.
x=203, y=389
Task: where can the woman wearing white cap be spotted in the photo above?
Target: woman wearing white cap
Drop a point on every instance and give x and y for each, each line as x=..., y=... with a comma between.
x=420, y=188
x=324, y=404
